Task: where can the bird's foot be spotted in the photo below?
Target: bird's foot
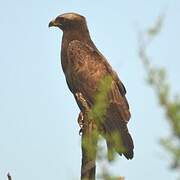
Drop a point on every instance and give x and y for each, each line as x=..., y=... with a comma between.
x=83, y=115
x=83, y=121
x=80, y=122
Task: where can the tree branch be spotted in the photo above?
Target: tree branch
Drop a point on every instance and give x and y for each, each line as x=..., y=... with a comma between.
x=88, y=140
x=89, y=150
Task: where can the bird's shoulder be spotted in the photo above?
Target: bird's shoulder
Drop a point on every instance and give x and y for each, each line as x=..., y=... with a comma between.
x=76, y=44
x=78, y=50
x=85, y=57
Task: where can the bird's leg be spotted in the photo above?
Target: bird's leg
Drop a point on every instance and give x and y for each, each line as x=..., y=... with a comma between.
x=84, y=110
x=82, y=102
x=80, y=122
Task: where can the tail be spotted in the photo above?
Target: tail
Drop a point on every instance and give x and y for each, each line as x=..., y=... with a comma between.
x=122, y=145
x=128, y=144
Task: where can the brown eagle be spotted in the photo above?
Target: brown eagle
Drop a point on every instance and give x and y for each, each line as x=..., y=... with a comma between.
x=84, y=68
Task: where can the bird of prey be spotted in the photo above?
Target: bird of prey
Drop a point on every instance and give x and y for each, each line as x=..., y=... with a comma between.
x=84, y=68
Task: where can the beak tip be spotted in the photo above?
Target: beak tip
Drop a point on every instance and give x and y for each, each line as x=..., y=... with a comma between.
x=50, y=24
x=53, y=23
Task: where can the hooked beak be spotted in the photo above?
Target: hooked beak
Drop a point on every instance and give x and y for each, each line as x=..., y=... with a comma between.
x=53, y=23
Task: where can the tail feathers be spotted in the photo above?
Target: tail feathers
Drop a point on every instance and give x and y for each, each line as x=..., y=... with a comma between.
x=123, y=145
x=127, y=143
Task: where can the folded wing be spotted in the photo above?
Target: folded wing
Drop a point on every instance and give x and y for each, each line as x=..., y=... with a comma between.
x=86, y=69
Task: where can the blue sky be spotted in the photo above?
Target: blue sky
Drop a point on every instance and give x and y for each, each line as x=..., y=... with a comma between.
x=38, y=128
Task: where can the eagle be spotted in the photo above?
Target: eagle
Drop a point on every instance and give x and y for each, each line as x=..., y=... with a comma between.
x=85, y=70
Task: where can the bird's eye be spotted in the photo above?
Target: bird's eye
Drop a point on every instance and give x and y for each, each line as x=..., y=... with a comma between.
x=62, y=19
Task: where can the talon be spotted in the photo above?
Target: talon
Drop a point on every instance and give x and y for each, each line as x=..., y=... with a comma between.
x=83, y=115
x=80, y=122
x=80, y=132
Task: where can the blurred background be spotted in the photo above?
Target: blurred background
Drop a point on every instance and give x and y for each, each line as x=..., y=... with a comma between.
x=38, y=115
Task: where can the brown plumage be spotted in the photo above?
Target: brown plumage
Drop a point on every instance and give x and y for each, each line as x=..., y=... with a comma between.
x=84, y=68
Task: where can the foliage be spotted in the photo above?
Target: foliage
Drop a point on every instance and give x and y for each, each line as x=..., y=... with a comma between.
x=157, y=79
x=98, y=111
x=91, y=136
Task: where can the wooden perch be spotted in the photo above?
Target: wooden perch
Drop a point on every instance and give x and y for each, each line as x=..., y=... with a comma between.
x=88, y=141
x=89, y=149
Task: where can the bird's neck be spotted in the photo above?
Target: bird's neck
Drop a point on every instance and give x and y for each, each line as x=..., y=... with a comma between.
x=68, y=36
x=80, y=34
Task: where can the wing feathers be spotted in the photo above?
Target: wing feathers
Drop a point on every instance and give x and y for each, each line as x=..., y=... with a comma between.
x=88, y=67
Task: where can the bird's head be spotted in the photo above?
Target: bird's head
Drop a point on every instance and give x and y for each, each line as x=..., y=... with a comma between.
x=68, y=21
